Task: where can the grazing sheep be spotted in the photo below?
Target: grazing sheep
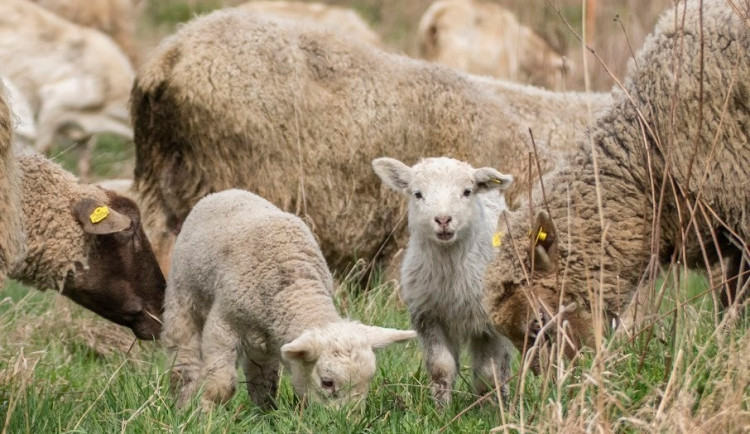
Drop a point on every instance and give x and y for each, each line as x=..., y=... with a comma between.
x=249, y=282
x=603, y=226
x=11, y=233
x=88, y=244
x=297, y=114
x=343, y=21
x=485, y=38
x=115, y=18
x=453, y=210
x=24, y=129
x=76, y=79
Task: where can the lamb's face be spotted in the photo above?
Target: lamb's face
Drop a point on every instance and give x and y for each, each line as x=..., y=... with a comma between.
x=445, y=195
x=335, y=364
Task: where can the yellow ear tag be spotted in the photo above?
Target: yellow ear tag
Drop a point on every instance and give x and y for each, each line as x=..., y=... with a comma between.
x=540, y=236
x=497, y=239
x=496, y=181
x=99, y=214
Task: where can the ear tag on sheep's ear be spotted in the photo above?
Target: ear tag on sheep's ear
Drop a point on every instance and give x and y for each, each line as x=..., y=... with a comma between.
x=540, y=236
x=99, y=214
x=497, y=239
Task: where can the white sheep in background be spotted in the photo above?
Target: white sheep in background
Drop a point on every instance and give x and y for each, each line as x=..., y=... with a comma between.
x=76, y=79
x=485, y=38
x=249, y=281
x=337, y=19
x=453, y=210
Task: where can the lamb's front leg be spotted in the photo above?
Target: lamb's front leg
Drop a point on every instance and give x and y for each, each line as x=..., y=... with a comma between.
x=262, y=380
x=441, y=358
x=219, y=347
x=490, y=354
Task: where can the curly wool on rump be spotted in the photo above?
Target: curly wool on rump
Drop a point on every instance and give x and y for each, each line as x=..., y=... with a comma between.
x=11, y=226
x=697, y=138
x=234, y=99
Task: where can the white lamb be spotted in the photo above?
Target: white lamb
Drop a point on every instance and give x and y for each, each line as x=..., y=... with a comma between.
x=249, y=281
x=453, y=211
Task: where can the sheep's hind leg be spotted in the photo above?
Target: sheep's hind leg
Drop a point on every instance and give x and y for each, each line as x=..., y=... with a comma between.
x=262, y=378
x=441, y=357
x=490, y=354
x=219, y=349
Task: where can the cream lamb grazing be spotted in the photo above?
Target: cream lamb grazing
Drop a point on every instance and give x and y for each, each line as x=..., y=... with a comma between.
x=453, y=210
x=678, y=121
x=249, y=282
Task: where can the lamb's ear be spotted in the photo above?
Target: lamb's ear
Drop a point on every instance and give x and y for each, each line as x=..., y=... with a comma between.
x=303, y=349
x=99, y=219
x=487, y=178
x=379, y=337
x=394, y=173
x=544, y=243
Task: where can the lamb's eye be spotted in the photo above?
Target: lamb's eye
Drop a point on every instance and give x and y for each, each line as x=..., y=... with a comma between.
x=418, y=194
x=326, y=383
x=467, y=192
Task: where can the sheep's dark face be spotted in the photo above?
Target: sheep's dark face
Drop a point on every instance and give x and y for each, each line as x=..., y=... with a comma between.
x=123, y=281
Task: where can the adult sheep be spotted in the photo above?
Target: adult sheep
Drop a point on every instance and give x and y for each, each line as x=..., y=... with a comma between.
x=295, y=114
x=250, y=284
x=343, y=21
x=88, y=244
x=11, y=229
x=75, y=78
x=485, y=38
x=632, y=204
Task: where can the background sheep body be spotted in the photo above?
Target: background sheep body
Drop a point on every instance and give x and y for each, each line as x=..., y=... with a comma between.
x=703, y=156
x=296, y=115
x=250, y=279
x=484, y=38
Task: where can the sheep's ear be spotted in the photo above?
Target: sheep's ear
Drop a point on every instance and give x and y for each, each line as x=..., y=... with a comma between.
x=487, y=178
x=99, y=219
x=379, y=337
x=303, y=349
x=544, y=243
x=394, y=173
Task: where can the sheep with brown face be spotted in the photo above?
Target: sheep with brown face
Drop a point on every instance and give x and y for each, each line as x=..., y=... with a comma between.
x=88, y=244
x=661, y=176
x=297, y=114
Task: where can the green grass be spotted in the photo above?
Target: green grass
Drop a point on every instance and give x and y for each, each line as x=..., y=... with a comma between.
x=54, y=377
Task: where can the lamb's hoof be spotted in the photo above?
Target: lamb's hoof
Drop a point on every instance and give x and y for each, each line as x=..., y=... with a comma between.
x=441, y=393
